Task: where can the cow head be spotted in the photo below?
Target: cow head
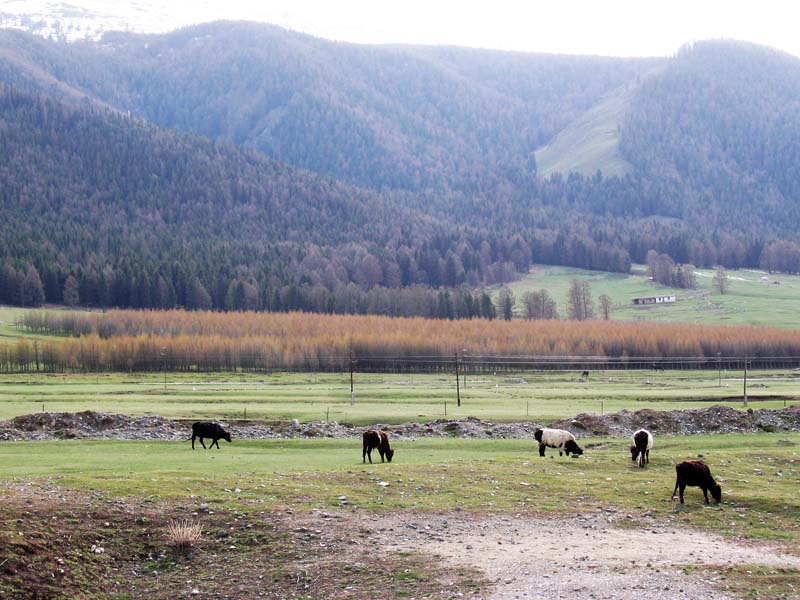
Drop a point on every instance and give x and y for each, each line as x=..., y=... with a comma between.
x=572, y=446
x=716, y=492
x=226, y=436
x=389, y=455
x=634, y=453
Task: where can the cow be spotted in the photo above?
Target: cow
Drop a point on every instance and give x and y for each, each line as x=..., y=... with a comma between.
x=642, y=444
x=557, y=438
x=376, y=438
x=208, y=429
x=697, y=474
x=585, y=375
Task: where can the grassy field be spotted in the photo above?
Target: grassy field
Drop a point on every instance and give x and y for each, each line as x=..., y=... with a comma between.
x=749, y=302
x=544, y=395
x=759, y=474
x=64, y=499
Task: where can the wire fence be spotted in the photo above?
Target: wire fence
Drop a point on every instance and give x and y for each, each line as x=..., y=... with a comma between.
x=258, y=362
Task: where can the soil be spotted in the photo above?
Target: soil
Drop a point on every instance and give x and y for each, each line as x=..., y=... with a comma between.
x=587, y=556
x=59, y=543
x=98, y=425
x=65, y=544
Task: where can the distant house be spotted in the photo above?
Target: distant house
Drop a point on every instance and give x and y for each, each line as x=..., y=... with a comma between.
x=654, y=300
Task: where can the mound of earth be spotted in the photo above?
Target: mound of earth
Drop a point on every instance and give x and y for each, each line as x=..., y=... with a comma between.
x=99, y=425
x=714, y=419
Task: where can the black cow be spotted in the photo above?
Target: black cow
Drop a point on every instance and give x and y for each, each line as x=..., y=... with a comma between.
x=207, y=429
x=585, y=375
x=697, y=474
x=376, y=438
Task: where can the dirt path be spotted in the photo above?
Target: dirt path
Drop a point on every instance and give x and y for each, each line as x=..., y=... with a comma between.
x=585, y=557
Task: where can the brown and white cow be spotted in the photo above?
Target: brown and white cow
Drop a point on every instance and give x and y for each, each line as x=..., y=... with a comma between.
x=376, y=438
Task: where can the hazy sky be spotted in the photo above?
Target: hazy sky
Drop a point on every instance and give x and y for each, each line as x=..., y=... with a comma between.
x=609, y=27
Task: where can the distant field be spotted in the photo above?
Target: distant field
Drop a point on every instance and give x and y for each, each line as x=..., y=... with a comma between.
x=540, y=395
x=749, y=302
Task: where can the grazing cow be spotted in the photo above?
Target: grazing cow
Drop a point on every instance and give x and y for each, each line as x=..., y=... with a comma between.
x=557, y=438
x=207, y=429
x=642, y=444
x=585, y=375
x=376, y=438
x=696, y=473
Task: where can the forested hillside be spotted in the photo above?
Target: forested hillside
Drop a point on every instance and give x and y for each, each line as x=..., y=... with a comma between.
x=337, y=177
x=718, y=131
x=398, y=117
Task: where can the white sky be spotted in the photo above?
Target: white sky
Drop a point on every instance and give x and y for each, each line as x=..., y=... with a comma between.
x=607, y=27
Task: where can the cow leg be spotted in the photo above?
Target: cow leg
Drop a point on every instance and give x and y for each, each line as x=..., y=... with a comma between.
x=648, y=456
x=193, y=436
x=675, y=491
x=541, y=450
x=705, y=494
x=369, y=455
x=203, y=444
x=214, y=441
x=683, y=487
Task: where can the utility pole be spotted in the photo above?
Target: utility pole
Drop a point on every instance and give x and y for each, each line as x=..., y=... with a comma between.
x=719, y=370
x=352, y=390
x=463, y=359
x=164, y=357
x=458, y=388
x=745, y=381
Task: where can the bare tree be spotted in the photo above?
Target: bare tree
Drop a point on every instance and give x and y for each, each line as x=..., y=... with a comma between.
x=721, y=280
x=539, y=305
x=605, y=306
x=580, y=305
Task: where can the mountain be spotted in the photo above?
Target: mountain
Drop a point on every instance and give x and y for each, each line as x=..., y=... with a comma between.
x=385, y=117
x=434, y=166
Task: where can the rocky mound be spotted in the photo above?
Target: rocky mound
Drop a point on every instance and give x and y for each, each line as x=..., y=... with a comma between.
x=714, y=419
x=98, y=425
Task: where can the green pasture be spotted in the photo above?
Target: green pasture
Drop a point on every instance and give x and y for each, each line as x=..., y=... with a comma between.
x=8, y=317
x=749, y=301
x=759, y=473
x=388, y=398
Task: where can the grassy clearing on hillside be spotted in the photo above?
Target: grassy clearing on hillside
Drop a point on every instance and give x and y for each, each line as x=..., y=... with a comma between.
x=759, y=474
x=386, y=398
x=749, y=302
x=589, y=143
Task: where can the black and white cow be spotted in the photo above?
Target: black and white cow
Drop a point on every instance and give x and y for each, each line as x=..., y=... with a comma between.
x=208, y=429
x=557, y=438
x=642, y=444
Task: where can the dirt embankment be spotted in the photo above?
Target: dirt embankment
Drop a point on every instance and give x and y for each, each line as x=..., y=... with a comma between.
x=98, y=425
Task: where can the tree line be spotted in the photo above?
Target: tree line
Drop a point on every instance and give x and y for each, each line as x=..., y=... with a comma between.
x=197, y=341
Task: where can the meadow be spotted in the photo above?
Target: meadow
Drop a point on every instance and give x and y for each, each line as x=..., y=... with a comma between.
x=759, y=474
x=748, y=302
x=391, y=398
